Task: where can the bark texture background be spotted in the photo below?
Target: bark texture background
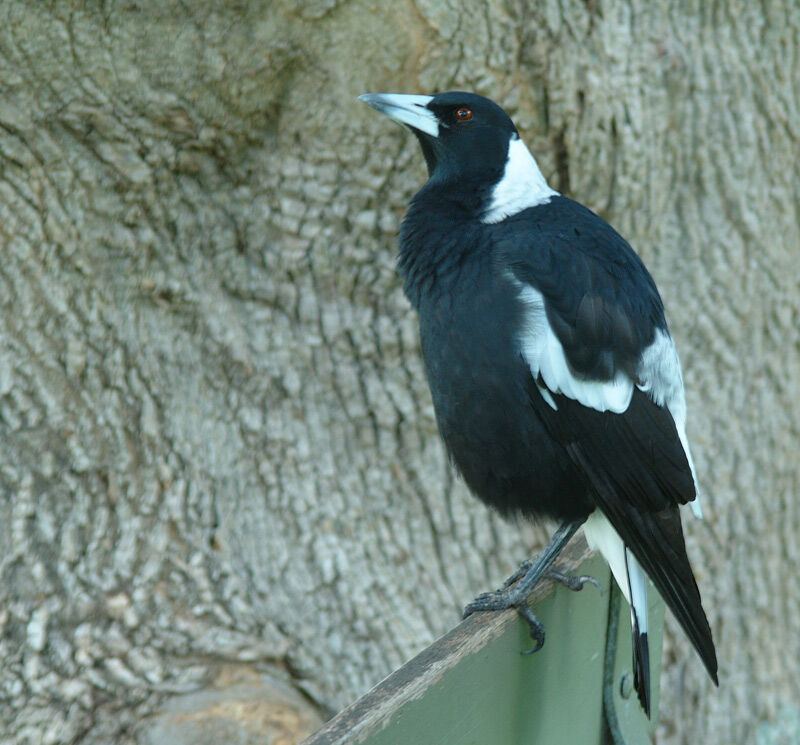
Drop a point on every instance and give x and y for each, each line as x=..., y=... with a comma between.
x=220, y=470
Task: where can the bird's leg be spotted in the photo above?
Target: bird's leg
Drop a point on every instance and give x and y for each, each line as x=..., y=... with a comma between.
x=516, y=596
x=519, y=574
x=527, y=576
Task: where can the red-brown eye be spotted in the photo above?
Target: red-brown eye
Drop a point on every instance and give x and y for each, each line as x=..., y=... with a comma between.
x=463, y=114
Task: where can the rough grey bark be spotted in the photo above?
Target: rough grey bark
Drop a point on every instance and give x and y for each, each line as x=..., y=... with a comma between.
x=220, y=470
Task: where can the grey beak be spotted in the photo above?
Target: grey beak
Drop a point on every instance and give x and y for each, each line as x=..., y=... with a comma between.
x=406, y=109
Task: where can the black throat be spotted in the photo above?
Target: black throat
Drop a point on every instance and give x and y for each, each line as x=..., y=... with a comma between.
x=441, y=231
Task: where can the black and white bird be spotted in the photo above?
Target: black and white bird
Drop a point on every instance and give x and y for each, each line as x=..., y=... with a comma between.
x=556, y=384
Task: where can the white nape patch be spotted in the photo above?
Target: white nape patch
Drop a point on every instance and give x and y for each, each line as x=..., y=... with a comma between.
x=545, y=356
x=660, y=372
x=521, y=186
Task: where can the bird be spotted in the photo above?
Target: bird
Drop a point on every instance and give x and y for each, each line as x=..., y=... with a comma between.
x=556, y=385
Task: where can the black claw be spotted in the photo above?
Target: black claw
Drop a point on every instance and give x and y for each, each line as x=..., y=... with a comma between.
x=502, y=599
x=572, y=582
x=534, y=649
x=536, y=628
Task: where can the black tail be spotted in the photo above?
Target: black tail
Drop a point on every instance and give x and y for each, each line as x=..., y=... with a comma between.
x=641, y=667
x=656, y=540
x=638, y=473
x=637, y=589
x=659, y=546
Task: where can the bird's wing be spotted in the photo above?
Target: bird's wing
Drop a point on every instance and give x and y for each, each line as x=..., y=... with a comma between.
x=593, y=333
x=606, y=381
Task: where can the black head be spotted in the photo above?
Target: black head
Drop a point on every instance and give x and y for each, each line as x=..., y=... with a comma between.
x=463, y=135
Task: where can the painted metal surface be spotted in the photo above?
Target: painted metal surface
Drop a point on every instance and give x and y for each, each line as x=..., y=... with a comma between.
x=474, y=686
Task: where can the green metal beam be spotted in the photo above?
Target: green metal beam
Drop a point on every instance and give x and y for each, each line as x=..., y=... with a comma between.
x=475, y=687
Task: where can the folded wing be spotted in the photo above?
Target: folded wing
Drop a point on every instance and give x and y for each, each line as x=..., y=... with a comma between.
x=606, y=381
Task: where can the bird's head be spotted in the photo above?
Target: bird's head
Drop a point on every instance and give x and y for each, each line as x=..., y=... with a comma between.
x=469, y=140
x=461, y=134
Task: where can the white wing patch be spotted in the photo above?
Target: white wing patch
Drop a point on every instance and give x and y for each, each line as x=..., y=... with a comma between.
x=658, y=373
x=661, y=379
x=545, y=356
x=521, y=186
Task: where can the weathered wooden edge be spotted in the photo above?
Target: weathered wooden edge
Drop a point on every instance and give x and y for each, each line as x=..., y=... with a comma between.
x=409, y=682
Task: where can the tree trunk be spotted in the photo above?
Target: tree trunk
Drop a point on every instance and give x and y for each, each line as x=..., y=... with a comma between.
x=222, y=482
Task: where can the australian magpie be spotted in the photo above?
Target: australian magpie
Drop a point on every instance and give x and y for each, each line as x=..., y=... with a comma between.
x=556, y=384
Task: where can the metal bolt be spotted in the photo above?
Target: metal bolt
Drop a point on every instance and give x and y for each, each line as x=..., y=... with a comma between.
x=626, y=685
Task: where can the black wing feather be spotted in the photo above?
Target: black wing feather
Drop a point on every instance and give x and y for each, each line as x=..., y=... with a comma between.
x=638, y=475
